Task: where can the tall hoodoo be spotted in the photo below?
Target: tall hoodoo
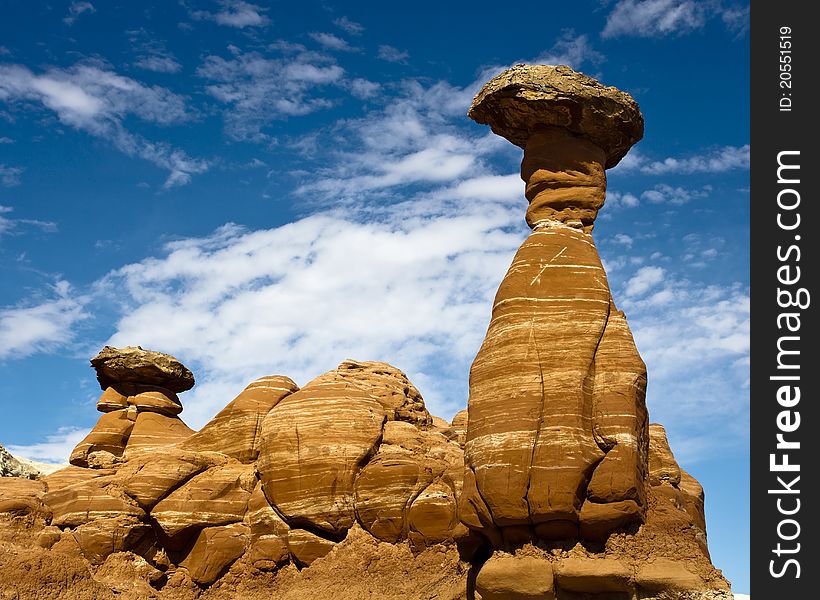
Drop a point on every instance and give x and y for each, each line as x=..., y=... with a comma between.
x=557, y=438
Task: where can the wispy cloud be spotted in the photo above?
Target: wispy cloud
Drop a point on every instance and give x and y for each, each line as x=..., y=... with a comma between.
x=659, y=18
x=10, y=176
x=349, y=26
x=682, y=327
x=40, y=325
x=56, y=449
x=76, y=9
x=9, y=225
x=234, y=13
x=151, y=53
x=332, y=42
x=715, y=160
x=258, y=89
x=391, y=54
x=94, y=99
x=572, y=50
x=666, y=194
x=300, y=298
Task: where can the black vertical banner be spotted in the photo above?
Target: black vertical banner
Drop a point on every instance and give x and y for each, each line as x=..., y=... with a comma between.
x=784, y=397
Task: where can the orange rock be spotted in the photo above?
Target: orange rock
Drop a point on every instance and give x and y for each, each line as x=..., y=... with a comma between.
x=433, y=514
x=112, y=400
x=132, y=364
x=215, y=549
x=664, y=575
x=77, y=496
x=149, y=477
x=384, y=383
x=268, y=533
x=101, y=537
x=154, y=430
x=164, y=402
x=529, y=440
x=313, y=445
x=305, y=547
x=506, y=577
x=662, y=463
x=110, y=434
x=593, y=575
x=219, y=496
x=598, y=520
x=459, y=425
x=236, y=430
x=383, y=493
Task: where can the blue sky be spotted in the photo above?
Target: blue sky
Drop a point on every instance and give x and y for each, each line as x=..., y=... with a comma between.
x=272, y=187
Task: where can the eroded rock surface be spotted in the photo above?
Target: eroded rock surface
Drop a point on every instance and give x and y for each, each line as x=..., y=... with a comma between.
x=551, y=483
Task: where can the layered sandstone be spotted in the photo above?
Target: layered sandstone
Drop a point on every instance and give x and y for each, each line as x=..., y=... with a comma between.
x=556, y=442
x=550, y=485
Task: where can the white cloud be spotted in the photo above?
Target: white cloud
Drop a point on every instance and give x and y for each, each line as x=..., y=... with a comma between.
x=351, y=27
x=653, y=18
x=6, y=140
x=716, y=160
x=10, y=176
x=644, y=280
x=10, y=225
x=151, y=53
x=694, y=338
x=56, y=449
x=413, y=139
x=623, y=240
x=332, y=42
x=95, y=99
x=391, y=54
x=363, y=88
x=259, y=90
x=40, y=326
x=234, y=13
x=666, y=194
x=659, y=18
x=410, y=284
x=75, y=9
x=572, y=50
x=615, y=199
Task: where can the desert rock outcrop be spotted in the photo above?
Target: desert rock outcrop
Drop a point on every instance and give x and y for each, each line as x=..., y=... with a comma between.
x=557, y=419
x=550, y=485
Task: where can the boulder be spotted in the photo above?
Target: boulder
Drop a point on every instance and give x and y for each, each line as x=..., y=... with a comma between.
x=434, y=515
x=149, y=477
x=314, y=443
x=268, y=533
x=384, y=383
x=523, y=97
x=164, y=402
x=506, y=577
x=132, y=364
x=101, y=537
x=219, y=496
x=214, y=550
x=110, y=434
x=305, y=546
x=593, y=575
x=153, y=430
x=77, y=496
x=664, y=575
x=236, y=430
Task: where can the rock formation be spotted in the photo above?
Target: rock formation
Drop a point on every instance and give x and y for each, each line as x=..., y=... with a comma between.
x=550, y=485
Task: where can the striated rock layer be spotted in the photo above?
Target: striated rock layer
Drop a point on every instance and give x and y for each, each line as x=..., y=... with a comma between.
x=551, y=485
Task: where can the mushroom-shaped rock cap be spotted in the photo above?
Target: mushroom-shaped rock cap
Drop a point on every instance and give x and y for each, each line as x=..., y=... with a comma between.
x=132, y=364
x=525, y=96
